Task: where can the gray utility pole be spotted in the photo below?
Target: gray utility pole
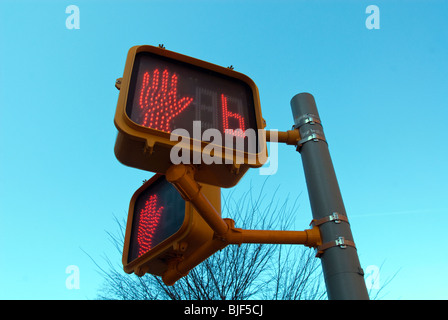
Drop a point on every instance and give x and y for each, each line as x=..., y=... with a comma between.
x=344, y=278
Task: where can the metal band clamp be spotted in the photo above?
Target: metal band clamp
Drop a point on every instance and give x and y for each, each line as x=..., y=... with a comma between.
x=335, y=217
x=314, y=136
x=339, y=242
x=306, y=118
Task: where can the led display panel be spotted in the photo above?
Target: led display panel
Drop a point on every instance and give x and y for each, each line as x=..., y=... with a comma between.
x=167, y=94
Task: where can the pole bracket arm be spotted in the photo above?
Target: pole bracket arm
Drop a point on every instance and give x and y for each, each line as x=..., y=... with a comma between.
x=290, y=137
x=310, y=238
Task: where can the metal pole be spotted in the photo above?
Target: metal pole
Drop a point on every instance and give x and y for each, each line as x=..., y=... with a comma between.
x=344, y=278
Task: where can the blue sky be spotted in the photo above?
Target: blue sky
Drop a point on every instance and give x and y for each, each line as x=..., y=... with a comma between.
x=381, y=94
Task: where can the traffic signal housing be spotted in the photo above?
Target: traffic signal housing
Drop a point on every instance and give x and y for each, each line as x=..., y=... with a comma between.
x=173, y=108
x=162, y=226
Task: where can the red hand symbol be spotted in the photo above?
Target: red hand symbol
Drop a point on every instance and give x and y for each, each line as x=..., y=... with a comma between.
x=158, y=100
x=147, y=225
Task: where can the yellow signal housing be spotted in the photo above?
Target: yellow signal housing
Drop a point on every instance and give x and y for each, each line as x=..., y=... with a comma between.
x=158, y=214
x=170, y=100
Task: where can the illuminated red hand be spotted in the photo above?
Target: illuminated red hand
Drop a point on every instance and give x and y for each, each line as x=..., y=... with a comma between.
x=158, y=100
x=147, y=225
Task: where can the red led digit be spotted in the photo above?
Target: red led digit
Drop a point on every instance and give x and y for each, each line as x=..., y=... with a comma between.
x=158, y=100
x=226, y=114
x=149, y=220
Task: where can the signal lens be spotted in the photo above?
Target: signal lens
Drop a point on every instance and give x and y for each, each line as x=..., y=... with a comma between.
x=159, y=212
